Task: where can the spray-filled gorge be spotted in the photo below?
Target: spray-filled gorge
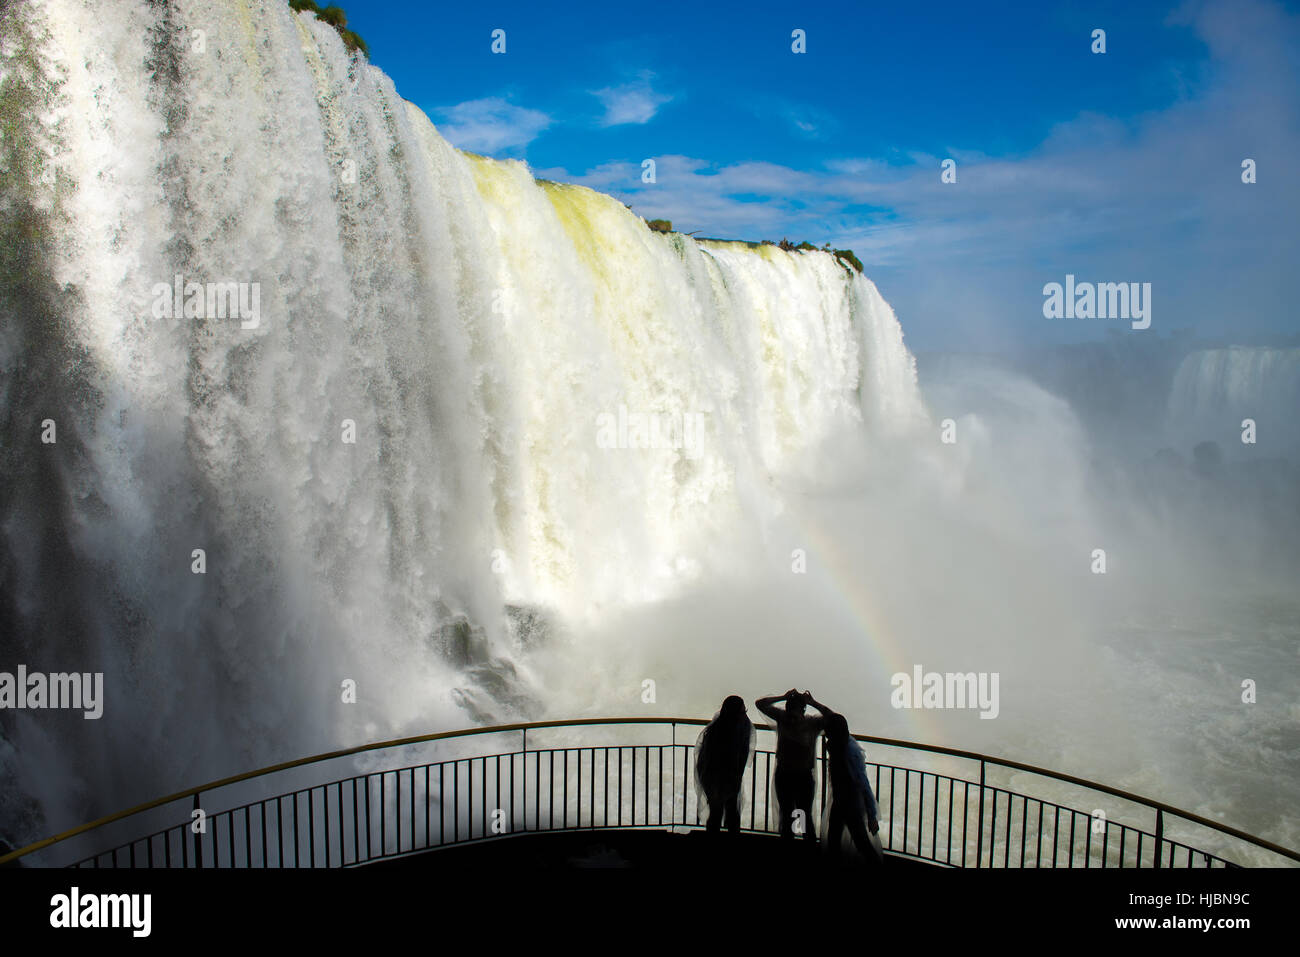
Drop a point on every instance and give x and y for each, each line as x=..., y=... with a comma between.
x=426, y=464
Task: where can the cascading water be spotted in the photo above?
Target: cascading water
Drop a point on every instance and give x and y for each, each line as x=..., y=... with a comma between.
x=395, y=471
x=1215, y=389
x=489, y=447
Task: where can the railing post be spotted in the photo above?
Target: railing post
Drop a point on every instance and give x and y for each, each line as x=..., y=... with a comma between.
x=524, y=758
x=1160, y=832
x=672, y=753
x=198, y=835
x=979, y=840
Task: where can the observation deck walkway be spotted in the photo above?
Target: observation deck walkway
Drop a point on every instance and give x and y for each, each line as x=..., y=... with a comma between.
x=621, y=792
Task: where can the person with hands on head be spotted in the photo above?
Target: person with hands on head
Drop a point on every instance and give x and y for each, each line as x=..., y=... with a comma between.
x=796, y=742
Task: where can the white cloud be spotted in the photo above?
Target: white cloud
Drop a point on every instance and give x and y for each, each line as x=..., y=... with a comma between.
x=491, y=125
x=635, y=102
x=807, y=121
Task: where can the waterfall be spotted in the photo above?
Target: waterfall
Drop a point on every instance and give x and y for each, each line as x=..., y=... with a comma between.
x=459, y=408
x=1215, y=389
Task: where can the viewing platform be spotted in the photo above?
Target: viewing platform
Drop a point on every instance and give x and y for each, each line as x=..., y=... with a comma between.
x=620, y=792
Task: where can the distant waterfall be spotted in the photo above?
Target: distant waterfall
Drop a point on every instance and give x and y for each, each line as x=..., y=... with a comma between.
x=1215, y=389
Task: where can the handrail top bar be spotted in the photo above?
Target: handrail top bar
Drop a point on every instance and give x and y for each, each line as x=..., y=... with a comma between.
x=588, y=722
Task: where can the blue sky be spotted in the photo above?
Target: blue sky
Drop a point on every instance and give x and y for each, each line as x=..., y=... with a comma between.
x=1122, y=166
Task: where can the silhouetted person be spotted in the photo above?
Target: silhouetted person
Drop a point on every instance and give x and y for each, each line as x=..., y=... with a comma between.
x=851, y=803
x=721, y=754
x=796, y=741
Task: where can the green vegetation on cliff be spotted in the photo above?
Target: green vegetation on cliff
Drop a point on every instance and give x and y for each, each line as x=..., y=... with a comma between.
x=848, y=259
x=335, y=17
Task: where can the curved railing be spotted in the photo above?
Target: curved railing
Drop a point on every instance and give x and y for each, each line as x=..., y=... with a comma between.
x=463, y=793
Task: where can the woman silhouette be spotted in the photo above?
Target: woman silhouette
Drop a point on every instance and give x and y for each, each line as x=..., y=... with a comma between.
x=850, y=802
x=721, y=756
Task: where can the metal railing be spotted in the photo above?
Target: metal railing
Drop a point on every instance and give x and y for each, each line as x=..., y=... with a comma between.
x=454, y=798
